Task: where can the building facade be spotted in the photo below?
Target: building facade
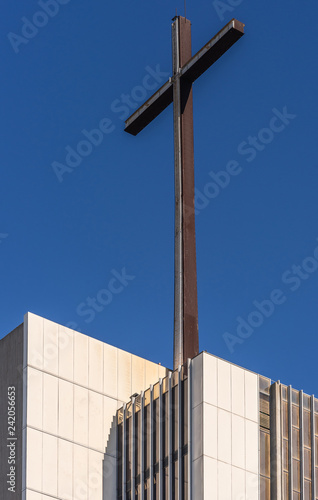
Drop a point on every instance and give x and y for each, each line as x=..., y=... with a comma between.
x=68, y=388
x=193, y=435
x=218, y=432
x=80, y=419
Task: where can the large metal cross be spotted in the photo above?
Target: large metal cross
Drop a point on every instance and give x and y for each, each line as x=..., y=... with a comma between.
x=178, y=89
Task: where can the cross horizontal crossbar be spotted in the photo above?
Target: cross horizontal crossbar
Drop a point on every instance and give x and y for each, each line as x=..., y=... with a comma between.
x=152, y=108
x=197, y=65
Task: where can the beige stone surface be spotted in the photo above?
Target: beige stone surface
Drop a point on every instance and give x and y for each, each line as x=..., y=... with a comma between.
x=75, y=384
x=225, y=448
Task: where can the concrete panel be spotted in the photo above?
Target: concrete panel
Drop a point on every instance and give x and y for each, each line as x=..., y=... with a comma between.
x=65, y=469
x=252, y=486
x=32, y=495
x=95, y=420
x=110, y=371
x=138, y=374
x=197, y=426
x=34, y=398
x=80, y=359
x=238, y=390
x=80, y=472
x=66, y=410
x=251, y=443
x=24, y=390
x=210, y=469
x=210, y=379
x=197, y=380
x=34, y=341
x=24, y=327
x=197, y=479
x=251, y=396
x=238, y=441
x=152, y=373
x=210, y=427
x=66, y=337
x=50, y=347
x=238, y=484
x=50, y=404
x=224, y=385
x=224, y=436
x=95, y=365
x=49, y=480
x=224, y=481
x=163, y=372
x=95, y=475
x=80, y=415
x=34, y=459
x=124, y=376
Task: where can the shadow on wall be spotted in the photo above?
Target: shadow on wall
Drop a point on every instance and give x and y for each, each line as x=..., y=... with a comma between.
x=109, y=463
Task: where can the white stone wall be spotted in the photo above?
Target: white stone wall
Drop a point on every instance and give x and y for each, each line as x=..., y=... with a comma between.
x=73, y=385
x=225, y=437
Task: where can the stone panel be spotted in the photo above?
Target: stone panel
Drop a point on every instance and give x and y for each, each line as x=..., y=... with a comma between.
x=224, y=385
x=80, y=359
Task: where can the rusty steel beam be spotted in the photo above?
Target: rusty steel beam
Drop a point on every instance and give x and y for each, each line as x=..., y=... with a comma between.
x=191, y=70
x=178, y=89
x=212, y=51
x=190, y=344
x=150, y=110
x=178, y=226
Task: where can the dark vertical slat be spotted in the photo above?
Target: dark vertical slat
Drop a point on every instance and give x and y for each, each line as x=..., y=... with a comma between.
x=276, y=442
x=301, y=444
x=313, y=449
x=290, y=442
x=124, y=478
x=142, y=434
x=161, y=423
x=170, y=437
x=180, y=429
x=189, y=409
x=151, y=444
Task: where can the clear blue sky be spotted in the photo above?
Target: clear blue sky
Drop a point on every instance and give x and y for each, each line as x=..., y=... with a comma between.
x=65, y=238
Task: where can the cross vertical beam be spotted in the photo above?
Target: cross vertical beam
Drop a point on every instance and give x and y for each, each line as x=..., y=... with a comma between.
x=186, y=336
x=178, y=89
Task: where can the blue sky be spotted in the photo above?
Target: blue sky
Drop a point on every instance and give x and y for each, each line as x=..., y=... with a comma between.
x=86, y=240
